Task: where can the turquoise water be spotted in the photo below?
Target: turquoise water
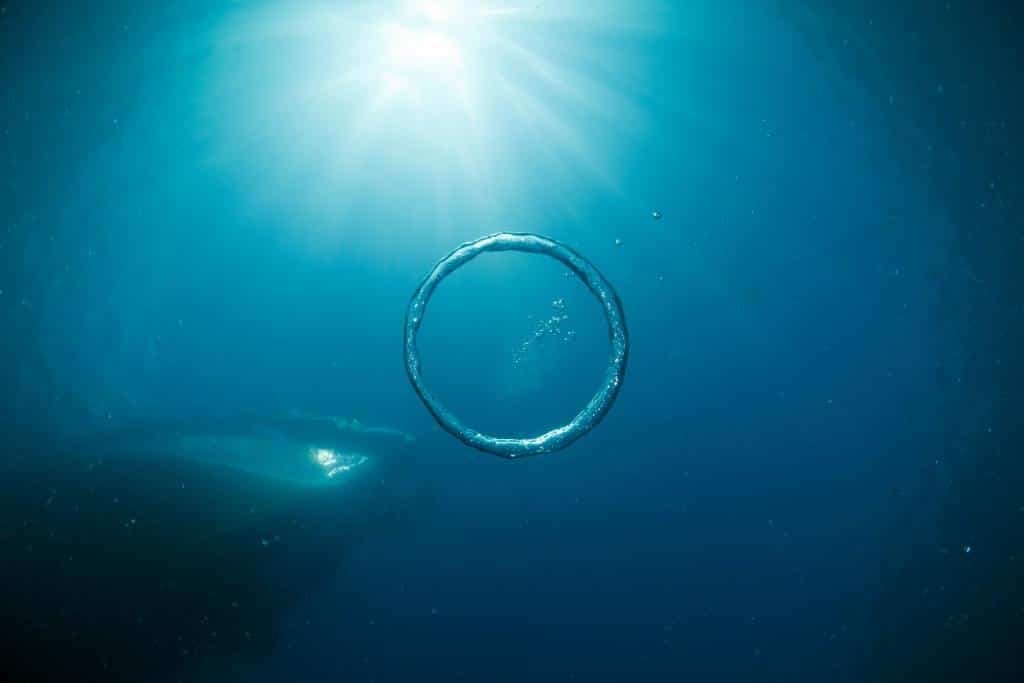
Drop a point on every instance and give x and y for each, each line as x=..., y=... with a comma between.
x=215, y=216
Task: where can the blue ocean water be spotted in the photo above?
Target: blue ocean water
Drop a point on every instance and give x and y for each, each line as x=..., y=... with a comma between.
x=214, y=216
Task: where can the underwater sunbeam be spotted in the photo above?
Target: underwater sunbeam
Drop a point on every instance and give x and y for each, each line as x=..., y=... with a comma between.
x=335, y=109
x=422, y=50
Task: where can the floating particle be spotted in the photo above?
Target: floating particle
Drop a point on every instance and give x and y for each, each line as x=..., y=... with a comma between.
x=656, y=215
x=967, y=549
x=618, y=242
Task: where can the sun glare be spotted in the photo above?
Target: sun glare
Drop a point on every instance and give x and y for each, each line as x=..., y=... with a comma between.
x=428, y=44
x=489, y=101
x=422, y=50
x=438, y=11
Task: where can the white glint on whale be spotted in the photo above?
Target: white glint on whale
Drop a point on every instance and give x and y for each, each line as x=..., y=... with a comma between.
x=596, y=408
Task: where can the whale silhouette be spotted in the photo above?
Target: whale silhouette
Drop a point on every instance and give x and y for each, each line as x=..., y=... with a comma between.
x=155, y=548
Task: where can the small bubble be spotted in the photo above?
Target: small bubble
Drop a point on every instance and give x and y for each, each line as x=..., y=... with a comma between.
x=656, y=215
x=967, y=549
x=618, y=242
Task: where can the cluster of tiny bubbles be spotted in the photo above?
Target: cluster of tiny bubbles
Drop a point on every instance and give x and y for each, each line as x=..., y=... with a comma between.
x=555, y=326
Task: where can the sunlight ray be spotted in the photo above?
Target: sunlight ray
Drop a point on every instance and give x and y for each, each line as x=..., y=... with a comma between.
x=431, y=97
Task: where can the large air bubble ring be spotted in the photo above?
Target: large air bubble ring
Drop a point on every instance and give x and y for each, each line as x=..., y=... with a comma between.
x=596, y=408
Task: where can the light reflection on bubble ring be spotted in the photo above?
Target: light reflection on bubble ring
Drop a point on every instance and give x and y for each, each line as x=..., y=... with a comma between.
x=596, y=408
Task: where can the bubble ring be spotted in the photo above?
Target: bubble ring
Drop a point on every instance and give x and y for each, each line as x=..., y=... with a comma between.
x=596, y=408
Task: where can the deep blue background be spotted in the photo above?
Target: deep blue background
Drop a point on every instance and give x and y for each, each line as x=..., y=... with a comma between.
x=790, y=361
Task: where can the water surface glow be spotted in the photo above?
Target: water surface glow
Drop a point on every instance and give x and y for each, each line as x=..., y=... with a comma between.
x=470, y=104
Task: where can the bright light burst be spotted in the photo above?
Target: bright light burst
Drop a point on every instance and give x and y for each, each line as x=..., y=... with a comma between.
x=450, y=106
x=335, y=463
